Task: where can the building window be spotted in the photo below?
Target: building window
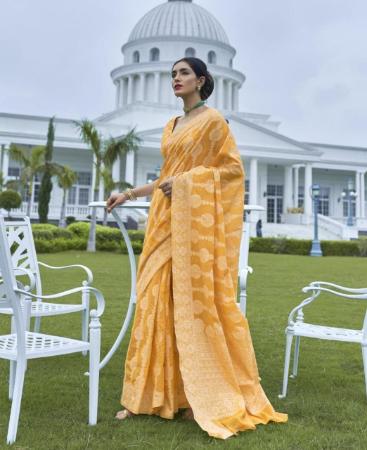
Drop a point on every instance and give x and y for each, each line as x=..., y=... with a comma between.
x=352, y=207
x=190, y=52
x=13, y=172
x=136, y=57
x=80, y=192
x=301, y=196
x=151, y=176
x=212, y=57
x=324, y=201
x=154, y=54
x=247, y=191
x=231, y=63
x=274, y=203
x=36, y=187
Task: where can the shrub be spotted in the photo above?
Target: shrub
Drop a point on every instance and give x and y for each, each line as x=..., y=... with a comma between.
x=80, y=229
x=69, y=220
x=10, y=199
x=362, y=246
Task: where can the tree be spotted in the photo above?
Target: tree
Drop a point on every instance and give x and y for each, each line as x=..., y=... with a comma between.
x=105, y=153
x=46, y=183
x=66, y=178
x=31, y=163
x=10, y=199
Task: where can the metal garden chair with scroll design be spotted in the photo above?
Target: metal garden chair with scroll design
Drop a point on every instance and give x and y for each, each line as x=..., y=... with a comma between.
x=24, y=256
x=21, y=345
x=298, y=328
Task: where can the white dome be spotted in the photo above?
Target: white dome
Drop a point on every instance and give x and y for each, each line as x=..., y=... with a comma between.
x=179, y=18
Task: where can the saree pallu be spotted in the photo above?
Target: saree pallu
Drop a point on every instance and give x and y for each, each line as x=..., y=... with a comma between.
x=190, y=344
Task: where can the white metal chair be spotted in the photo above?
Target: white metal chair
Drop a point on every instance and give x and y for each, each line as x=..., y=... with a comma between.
x=24, y=256
x=298, y=328
x=21, y=345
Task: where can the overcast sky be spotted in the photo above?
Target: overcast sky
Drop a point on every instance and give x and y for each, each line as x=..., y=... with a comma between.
x=305, y=60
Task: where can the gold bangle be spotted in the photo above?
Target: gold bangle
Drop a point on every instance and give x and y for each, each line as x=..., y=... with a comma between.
x=130, y=194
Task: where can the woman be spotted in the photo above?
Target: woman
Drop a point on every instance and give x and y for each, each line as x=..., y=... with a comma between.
x=190, y=345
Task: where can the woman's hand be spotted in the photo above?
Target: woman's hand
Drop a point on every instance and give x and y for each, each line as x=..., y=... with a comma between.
x=115, y=200
x=166, y=186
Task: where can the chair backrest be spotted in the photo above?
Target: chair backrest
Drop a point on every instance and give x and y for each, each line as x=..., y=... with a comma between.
x=22, y=248
x=8, y=296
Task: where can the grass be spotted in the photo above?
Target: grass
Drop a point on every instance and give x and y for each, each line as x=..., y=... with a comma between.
x=326, y=404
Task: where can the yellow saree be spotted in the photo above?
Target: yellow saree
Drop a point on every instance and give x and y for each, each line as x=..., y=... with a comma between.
x=190, y=345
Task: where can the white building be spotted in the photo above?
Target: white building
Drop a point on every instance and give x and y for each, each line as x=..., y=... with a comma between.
x=280, y=170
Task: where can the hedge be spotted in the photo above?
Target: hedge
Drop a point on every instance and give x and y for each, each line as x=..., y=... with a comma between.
x=49, y=238
x=303, y=247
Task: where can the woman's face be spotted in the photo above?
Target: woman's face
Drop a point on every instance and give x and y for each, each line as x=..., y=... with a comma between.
x=184, y=80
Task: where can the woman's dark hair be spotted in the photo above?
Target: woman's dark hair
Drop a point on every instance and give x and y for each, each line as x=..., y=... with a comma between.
x=200, y=69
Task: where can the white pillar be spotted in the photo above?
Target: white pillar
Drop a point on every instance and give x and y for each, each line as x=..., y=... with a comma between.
x=122, y=93
x=358, y=193
x=253, y=181
x=295, y=186
x=288, y=197
x=363, y=195
x=129, y=170
x=157, y=82
x=116, y=172
x=94, y=174
x=118, y=93
x=141, y=92
x=236, y=92
x=229, y=95
x=307, y=204
x=220, y=93
x=4, y=161
x=129, y=89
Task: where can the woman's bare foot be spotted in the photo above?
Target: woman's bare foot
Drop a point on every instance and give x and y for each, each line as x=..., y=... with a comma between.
x=188, y=414
x=121, y=415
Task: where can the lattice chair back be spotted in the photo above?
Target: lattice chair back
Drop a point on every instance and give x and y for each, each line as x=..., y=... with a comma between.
x=22, y=247
x=8, y=297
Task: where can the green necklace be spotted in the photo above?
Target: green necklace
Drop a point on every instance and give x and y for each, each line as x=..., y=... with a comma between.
x=198, y=104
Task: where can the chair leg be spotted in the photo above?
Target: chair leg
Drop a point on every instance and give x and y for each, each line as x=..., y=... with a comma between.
x=37, y=324
x=364, y=356
x=85, y=319
x=17, y=398
x=295, y=357
x=94, y=359
x=288, y=348
x=12, y=369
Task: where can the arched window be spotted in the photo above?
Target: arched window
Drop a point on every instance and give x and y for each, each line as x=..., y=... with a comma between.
x=190, y=52
x=154, y=54
x=136, y=57
x=231, y=63
x=212, y=57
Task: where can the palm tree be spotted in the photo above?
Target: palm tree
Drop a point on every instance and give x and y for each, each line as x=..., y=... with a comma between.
x=66, y=178
x=105, y=153
x=31, y=163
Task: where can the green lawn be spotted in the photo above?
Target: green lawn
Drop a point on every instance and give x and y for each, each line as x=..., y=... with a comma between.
x=326, y=404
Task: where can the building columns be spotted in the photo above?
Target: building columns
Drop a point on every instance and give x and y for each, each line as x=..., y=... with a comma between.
x=229, y=105
x=157, y=82
x=220, y=93
x=307, y=203
x=129, y=170
x=363, y=195
x=358, y=194
x=118, y=94
x=141, y=92
x=130, y=89
x=4, y=162
x=253, y=181
x=116, y=172
x=288, y=197
x=236, y=89
x=295, y=186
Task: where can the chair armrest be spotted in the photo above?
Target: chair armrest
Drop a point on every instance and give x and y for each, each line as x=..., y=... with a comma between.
x=32, y=278
x=88, y=282
x=342, y=288
x=97, y=294
x=315, y=288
